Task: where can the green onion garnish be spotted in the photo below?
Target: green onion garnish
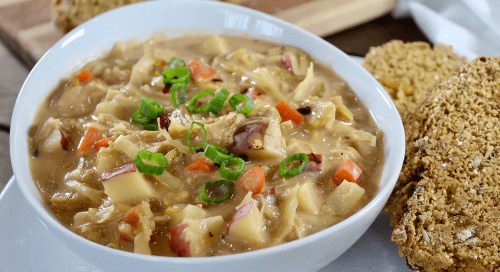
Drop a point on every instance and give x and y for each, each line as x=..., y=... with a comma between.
x=147, y=113
x=295, y=171
x=218, y=101
x=217, y=154
x=177, y=75
x=215, y=184
x=230, y=174
x=239, y=98
x=203, y=145
x=150, y=126
x=149, y=169
x=195, y=99
x=173, y=93
x=138, y=118
x=150, y=108
x=177, y=62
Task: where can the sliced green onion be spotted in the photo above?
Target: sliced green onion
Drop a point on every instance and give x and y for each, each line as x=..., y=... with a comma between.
x=150, y=108
x=177, y=62
x=239, y=98
x=203, y=145
x=321, y=90
x=150, y=126
x=137, y=117
x=218, y=101
x=173, y=93
x=147, y=113
x=195, y=99
x=295, y=171
x=177, y=75
x=215, y=184
x=230, y=174
x=149, y=169
x=217, y=154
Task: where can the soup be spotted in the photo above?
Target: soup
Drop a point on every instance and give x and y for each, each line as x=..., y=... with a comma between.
x=203, y=146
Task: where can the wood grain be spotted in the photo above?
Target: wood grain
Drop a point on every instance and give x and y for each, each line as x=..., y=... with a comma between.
x=12, y=76
x=26, y=27
x=5, y=166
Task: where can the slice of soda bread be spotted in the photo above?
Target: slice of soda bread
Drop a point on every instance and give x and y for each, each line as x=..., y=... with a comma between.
x=407, y=71
x=446, y=204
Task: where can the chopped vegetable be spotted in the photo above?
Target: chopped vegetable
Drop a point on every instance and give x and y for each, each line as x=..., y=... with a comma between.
x=286, y=62
x=225, y=173
x=203, y=165
x=147, y=113
x=149, y=169
x=218, y=101
x=205, y=198
x=295, y=171
x=102, y=143
x=91, y=136
x=188, y=143
x=240, y=98
x=200, y=72
x=287, y=113
x=195, y=99
x=173, y=95
x=85, y=77
x=349, y=171
x=252, y=180
x=133, y=218
x=176, y=75
x=177, y=62
x=315, y=162
x=217, y=154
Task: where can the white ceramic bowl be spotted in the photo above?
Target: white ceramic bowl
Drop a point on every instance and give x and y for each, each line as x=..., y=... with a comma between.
x=177, y=17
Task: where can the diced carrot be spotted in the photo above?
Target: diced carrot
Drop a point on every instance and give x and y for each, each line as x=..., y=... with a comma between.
x=287, y=113
x=349, y=171
x=91, y=136
x=203, y=165
x=286, y=62
x=102, y=143
x=85, y=76
x=125, y=238
x=252, y=180
x=200, y=72
x=133, y=218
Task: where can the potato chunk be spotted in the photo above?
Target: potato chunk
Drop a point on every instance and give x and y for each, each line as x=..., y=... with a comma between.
x=345, y=197
x=125, y=184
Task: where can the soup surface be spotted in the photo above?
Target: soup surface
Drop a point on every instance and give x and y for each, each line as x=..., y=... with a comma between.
x=203, y=146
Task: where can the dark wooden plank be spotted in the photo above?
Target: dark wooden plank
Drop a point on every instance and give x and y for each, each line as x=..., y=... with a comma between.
x=12, y=76
x=357, y=41
x=5, y=166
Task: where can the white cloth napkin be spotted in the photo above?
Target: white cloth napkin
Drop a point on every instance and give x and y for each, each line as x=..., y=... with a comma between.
x=472, y=27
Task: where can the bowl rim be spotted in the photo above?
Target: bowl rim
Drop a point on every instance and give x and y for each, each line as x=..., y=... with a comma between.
x=46, y=217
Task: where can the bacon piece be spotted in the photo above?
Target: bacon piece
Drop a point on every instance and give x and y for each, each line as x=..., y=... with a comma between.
x=246, y=137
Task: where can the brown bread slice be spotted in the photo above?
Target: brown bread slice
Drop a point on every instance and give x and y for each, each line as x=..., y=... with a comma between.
x=446, y=204
x=407, y=71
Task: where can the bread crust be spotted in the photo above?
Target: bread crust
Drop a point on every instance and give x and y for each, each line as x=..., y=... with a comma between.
x=407, y=71
x=446, y=204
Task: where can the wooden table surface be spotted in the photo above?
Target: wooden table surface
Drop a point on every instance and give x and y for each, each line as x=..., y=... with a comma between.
x=355, y=41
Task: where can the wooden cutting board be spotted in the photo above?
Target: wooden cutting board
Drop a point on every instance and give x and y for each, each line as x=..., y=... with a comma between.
x=26, y=27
